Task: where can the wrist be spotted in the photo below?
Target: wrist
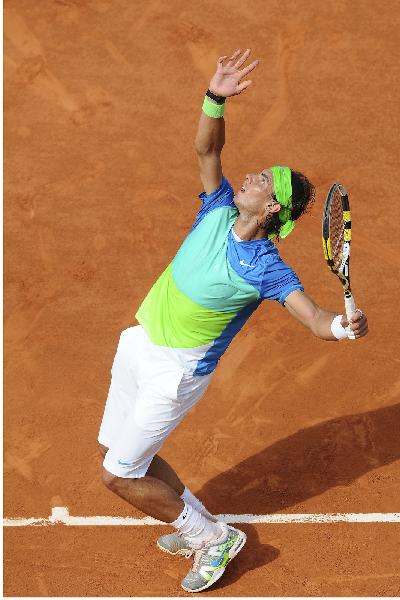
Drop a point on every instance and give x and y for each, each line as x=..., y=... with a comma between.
x=211, y=109
x=337, y=329
x=215, y=97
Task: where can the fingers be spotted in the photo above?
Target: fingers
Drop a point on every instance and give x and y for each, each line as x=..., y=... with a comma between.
x=357, y=319
x=239, y=62
x=243, y=59
x=244, y=85
x=360, y=333
x=357, y=315
x=231, y=69
x=359, y=328
x=248, y=69
x=359, y=324
x=232, y=58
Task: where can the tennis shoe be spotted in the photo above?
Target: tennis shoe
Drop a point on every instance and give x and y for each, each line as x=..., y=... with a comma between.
x=210, y=562
x=174, y=543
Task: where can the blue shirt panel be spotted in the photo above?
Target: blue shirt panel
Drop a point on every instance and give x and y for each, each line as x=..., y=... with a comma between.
x=259, y=263
x=210, y=360
x=223, y=196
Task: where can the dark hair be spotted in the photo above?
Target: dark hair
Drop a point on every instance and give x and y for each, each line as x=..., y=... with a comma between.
x=303, y=196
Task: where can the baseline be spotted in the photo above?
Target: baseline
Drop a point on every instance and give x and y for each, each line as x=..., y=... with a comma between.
x=60, y=516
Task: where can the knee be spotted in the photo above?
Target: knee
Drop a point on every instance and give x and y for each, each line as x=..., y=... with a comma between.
x=109, y=480
x=103, y=450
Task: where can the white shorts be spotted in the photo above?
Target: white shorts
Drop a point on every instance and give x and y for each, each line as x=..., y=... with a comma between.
x=149, y=395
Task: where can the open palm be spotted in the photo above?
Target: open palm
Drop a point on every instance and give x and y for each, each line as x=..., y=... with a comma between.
x=226, y=81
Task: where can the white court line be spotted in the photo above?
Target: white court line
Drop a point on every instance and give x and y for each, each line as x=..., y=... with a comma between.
x=60, y=515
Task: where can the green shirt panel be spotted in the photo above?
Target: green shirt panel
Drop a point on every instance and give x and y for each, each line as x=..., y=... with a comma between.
x=172, y=319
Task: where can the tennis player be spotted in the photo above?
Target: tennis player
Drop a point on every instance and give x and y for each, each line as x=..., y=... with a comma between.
x=227, y=265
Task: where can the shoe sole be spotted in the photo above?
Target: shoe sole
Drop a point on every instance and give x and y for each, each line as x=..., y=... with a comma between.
x=232, y=553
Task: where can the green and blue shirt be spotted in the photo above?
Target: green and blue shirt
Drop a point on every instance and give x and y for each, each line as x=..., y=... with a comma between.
x=213, y=285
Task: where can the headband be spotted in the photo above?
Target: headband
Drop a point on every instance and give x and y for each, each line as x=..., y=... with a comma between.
x=283, y=191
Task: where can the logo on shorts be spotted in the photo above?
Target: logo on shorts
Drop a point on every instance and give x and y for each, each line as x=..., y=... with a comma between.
x=124, y=464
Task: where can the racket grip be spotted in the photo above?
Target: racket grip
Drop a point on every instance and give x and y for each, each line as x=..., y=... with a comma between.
x=350, y=306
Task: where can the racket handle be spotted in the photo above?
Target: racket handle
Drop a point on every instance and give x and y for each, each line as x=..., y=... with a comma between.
x=350, y=306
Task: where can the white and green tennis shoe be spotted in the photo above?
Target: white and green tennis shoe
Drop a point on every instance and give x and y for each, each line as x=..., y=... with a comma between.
x=210, y=562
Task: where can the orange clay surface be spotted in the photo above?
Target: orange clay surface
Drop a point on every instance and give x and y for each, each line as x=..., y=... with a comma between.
x=102, y=99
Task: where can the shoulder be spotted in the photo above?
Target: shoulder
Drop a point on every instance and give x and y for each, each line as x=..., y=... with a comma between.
x=224, y=194
x=279, y=279
x=222, y=197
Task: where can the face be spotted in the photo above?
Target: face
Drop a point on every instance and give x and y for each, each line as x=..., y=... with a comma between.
x=256, y=196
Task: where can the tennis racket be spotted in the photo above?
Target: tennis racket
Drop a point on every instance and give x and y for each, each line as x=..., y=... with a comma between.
x=336, y=238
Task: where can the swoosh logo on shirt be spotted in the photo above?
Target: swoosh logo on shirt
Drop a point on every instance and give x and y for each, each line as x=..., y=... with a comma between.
x=125, y=464
x=246, y=265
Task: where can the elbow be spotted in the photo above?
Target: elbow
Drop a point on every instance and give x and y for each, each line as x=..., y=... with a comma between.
x=314, y=324
x=322, y=335
x=314, y=330
x=203, y=149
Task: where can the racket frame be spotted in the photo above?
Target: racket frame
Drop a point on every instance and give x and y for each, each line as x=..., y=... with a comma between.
x=343, y=271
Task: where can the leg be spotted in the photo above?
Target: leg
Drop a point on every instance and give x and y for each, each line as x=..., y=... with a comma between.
x=150, y=495
x=133, y=479
x=103, y=450
x=134, y=490
x=145, y=403
x=133, y=470
x=157, y=499
x=159, y=469
x=162, y=471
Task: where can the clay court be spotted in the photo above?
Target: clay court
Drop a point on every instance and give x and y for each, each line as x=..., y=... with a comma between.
x=102, y=100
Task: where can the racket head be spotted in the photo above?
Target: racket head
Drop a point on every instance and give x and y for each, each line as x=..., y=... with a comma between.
x=336, y=234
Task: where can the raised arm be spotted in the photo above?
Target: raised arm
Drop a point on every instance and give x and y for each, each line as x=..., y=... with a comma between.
x=319, y=321
x=210, y=136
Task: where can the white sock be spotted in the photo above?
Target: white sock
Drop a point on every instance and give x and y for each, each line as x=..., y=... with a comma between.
x=196, y=528
x=191, y=499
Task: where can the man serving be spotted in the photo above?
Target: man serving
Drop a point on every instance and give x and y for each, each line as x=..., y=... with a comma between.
x=227, y=265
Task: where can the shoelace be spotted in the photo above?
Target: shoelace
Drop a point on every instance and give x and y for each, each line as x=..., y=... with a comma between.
x=197, y=557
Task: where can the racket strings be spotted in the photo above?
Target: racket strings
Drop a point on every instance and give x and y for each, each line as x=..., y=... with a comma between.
x=336, y=231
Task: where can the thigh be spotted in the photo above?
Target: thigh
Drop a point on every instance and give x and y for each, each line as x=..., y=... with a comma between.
x=160, y=406
x=192, y=389
x=119, y=405
x=123, y=388
x=156, y=413
x=163, y=395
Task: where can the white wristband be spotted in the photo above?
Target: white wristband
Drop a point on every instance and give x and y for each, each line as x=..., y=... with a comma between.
x=338, y=331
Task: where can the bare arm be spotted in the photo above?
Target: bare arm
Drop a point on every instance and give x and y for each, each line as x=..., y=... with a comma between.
x=210, y=134
x=209, y=142
x=210, y=137
x=318, y=320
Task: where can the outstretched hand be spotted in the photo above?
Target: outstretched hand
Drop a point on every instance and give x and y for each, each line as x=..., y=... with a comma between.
x=226, y=81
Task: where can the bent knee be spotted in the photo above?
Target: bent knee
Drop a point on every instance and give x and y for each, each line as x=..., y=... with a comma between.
x=109, y=479
x=103, y=450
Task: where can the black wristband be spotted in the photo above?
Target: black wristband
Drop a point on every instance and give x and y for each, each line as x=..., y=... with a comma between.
x=217, y=99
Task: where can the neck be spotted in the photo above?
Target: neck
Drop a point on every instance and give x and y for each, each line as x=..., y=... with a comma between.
x=248, y=229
